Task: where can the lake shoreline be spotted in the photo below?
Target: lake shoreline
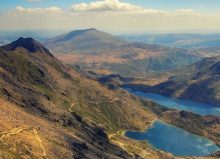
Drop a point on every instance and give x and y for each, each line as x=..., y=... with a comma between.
x=178, y=104
x=168, y=95
x=212, y=148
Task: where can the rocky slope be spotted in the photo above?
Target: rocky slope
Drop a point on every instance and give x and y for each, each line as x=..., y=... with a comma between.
x=40, y=99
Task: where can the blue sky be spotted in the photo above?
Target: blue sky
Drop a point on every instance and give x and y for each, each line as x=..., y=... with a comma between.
x=10, y=4
x=200, y=5
x=112, y=15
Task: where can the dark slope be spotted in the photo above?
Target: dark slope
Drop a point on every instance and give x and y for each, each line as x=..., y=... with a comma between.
x=27, y=43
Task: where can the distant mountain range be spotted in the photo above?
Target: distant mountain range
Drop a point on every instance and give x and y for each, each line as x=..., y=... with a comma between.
x=7, y=37
x=209, y=51
x=189, y=41
x=93, y=49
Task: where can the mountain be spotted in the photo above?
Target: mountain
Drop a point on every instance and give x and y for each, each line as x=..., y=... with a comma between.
x=199, y=82
x=95, y=50
x=209, y=51
x=82, y=40
x=181, y=40
x=27, y=43
x=35, y=93
x=50, y=111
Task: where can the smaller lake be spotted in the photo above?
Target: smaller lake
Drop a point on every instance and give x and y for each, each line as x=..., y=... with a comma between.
x=179, y=104
x=174, y=140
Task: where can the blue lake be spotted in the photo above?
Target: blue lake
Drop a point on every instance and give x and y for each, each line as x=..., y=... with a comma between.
x=179, y=104
x=174, y=140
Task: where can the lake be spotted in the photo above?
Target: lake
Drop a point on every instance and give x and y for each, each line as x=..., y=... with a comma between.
x=174, y=140
x=179, y=104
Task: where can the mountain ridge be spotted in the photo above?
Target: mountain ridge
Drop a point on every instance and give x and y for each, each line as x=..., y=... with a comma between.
x=29, y=44
x=40, y=95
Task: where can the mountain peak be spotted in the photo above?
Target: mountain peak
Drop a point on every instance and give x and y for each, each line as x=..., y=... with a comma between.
x=75, y=33
x=91, y=29
x=83, y=40
x=29, y=44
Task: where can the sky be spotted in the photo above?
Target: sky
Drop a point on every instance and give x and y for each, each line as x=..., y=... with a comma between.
x=115, y=16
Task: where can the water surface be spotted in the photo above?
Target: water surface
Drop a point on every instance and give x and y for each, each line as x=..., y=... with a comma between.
x=180, y=104
x=174, y=140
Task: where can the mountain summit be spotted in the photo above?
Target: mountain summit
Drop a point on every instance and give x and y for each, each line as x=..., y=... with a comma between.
x=76, y=33
x=83, y=40
x=29, y=44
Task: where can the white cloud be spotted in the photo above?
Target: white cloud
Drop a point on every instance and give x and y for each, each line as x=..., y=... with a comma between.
x=189, y=12
x=39, y=10
x=106, y=5
x=34, y=1
x=113, y=6
x=109, y=15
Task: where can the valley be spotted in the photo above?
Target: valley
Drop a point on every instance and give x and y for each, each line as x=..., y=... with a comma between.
x=198, y=82
x=180, y=104
x=79, y=112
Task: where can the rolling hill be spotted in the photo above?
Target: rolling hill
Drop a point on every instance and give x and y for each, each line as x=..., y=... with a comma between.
x=96, y=50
